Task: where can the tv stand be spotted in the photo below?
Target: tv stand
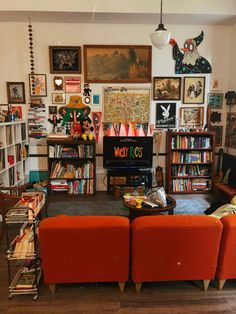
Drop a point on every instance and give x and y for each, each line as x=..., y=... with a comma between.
x=125, y=178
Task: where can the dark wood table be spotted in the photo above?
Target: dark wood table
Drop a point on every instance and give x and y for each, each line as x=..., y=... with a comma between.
x=145, y=211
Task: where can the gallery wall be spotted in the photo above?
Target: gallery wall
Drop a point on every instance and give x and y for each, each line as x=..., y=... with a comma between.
x=217, y=47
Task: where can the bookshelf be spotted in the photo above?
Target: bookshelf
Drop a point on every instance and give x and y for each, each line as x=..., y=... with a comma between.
x=190, y=162
x=13, y=153
x=72, y=166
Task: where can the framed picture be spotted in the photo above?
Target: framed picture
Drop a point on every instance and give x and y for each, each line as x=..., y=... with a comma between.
x=215, y=100
x=126, y=104
x=38, y=85
x=58, y=82
x=230, y=137
x=16, y=111
x=72, y=84
x=65, y=59
x=117, y=64
x=165, y=115
x=218, y=134
x=58, y=98
x=215, y=84
x=166, y=88
x=52, y=109
x=16, y=92
x=96, y=99
x=194, y=90
x=191, y=117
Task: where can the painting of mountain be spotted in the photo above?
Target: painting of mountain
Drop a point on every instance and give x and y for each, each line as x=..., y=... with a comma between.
x=117, y=64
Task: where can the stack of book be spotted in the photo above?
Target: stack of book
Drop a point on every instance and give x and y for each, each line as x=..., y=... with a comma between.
x=59, y=185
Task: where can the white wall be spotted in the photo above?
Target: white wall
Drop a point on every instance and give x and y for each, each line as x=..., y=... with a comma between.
x=14, y=61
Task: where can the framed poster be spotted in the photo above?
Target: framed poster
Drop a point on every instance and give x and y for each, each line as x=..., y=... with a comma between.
x=218, y=134
x=126, y=104
x=165, y=115
x=230, y=137
x=65, y=59
x=72, y=84
x=58, y=98
x=166, y=88
x=16, y=92
x=215, y=100
x=194, y=90
x=117, y=64
x=38, y=85
x=191, y=116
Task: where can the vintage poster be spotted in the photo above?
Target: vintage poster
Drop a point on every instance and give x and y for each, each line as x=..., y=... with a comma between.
x=165, y=115
x=122, y=105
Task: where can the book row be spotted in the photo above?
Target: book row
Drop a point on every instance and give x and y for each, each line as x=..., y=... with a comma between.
x=82, y=151
x=82, y=186
x=192, y=157
x=189, y=142
x=188, y=185
x=190, y=170
x=69, y=171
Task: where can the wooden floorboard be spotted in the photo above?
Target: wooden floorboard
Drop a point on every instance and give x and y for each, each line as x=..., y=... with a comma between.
x=178, y=297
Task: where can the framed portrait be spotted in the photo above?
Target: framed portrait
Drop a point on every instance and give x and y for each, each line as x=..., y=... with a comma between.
x=16, y=92
x=166, y=88
x=215, y=100
x=58, y=98
x=191, y=117
x=230, y=137
x=72, y=84
x=218, y=134
x=117, y=64
x=165, y=115
x=38, y=85
x=65, y=59
x=194, y=90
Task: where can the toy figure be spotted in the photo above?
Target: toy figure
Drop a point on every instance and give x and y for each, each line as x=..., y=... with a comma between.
x=87, y=89
x=86, y=128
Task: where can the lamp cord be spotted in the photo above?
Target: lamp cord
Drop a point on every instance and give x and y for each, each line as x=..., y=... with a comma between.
x=161, y=13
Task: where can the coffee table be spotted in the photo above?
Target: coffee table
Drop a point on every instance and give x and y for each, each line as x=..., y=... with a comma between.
x=145, y=211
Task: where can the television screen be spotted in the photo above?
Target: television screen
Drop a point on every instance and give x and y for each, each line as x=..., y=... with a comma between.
x=127, y=152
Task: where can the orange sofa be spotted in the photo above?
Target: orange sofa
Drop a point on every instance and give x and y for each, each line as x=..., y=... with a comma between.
x=168, y=248
x=226, y=268
x=84, y=249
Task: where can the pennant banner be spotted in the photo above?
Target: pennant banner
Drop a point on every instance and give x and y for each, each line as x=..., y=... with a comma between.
x=97, y=118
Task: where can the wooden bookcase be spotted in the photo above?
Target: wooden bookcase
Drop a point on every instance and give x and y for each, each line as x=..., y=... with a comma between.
x=190, y=164
x=13, y=153
x=72, y=166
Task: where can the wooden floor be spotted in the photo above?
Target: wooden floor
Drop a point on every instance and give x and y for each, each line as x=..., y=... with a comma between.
x=183, y=297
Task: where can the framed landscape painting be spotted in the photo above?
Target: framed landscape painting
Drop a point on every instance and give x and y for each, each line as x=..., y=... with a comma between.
x=194, y=90
x=65, y=59
x=166, y=88
x=117, y=64
x=191, y=117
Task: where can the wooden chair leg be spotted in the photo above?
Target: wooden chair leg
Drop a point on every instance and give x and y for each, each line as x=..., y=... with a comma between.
x=121, y=286
x=138, y=286
x=221, y=284
x=52, y=288
x=205, y=284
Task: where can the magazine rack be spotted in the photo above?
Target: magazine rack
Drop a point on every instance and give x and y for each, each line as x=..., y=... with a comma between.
x=24, y=269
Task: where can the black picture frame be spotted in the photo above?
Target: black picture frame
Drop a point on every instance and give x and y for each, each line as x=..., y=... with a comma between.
x=16, y=92
x=65, y=59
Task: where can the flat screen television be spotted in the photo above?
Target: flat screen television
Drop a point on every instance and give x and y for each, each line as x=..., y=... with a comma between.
x=127, y=152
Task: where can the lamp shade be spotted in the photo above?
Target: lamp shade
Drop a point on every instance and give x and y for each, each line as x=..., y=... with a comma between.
x=160, y=38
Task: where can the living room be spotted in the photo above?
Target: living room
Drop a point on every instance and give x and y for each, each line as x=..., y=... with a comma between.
x=33, y=34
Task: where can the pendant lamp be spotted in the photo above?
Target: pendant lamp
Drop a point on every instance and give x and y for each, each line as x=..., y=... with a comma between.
x=161, y=37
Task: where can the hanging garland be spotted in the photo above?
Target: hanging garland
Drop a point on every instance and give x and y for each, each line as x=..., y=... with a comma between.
x=31, y=49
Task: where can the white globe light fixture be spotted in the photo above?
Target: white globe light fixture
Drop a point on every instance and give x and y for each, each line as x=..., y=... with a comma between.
x=161, y=37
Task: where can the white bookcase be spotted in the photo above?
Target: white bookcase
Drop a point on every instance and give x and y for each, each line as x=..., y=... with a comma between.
x=13, y=153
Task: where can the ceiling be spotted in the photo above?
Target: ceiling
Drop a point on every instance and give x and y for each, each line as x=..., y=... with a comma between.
x=117, y=18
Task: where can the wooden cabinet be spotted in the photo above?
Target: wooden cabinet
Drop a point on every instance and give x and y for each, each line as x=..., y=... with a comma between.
x=72, y=166
x=13, y=153
x=190, y=164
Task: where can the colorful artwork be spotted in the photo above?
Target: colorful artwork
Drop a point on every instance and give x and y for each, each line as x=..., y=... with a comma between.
x=190, y=61
x=122, y=105
x=16, y=111
x=73, y=84
x=96, y=99
x=215, y=100
x=191, y=117
x=165, y=115
x=230, y=138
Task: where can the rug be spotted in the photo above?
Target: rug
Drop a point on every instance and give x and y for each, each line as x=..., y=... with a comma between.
x=116, y=208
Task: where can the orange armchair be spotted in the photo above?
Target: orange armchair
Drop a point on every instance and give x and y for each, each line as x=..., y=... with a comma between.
x=175, y=248
x=226, y=268
x=84, y=249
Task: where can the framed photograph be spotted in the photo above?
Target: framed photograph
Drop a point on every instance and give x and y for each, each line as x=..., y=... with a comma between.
x=58, y=98
x=65, y=59
x=16, y=92
x=52, y=109
x=117, y=64
x=218, y=134
x=166, y=88
x=215, y=100
x=165, y=115
x=191, y=117
x=38, y=85
x=72, y=84
x=126, y=104
x=194, y=90
x=230, y=137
